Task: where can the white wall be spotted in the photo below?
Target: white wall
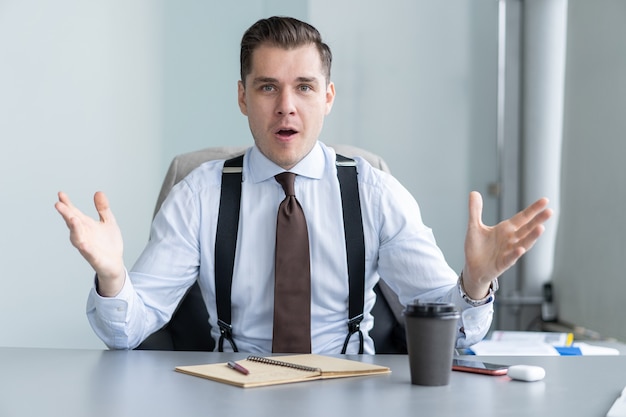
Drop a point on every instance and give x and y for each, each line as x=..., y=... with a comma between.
x=80, y=87
x=101, y=95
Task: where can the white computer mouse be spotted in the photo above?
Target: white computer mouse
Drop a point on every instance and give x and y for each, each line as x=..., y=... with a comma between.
x=526, y=373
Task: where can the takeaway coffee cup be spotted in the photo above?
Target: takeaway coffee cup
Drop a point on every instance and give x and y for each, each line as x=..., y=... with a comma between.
x=430, y=335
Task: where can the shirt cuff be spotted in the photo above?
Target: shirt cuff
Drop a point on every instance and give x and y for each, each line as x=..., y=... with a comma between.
x=112, y=309
x=475, y=321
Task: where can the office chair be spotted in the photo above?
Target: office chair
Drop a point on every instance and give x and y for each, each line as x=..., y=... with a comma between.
x=189, y=329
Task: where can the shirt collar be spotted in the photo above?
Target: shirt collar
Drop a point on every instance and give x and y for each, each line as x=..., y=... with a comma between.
x=260, y=168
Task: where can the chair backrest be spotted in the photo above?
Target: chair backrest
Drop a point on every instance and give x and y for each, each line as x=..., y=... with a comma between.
x=183, y=164
x=188, y=328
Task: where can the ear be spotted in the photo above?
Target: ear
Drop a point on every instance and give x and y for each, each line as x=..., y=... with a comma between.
x=241, y=98
x=330, y=96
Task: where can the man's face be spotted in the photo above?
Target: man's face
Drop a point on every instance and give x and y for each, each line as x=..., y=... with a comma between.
x=286, y=98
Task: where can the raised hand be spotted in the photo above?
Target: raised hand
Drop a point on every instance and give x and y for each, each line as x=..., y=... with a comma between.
x=98, y=241
x=491, y=250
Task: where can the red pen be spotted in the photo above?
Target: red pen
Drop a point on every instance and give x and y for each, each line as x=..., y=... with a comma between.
x=237, y=367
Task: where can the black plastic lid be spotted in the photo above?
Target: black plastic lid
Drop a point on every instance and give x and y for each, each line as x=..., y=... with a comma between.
x=431, y=309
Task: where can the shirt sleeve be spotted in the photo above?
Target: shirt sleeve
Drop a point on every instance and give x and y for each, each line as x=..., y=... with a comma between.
x=109, y=316
x=410, y=261
x=153, y=288
x=474, y=322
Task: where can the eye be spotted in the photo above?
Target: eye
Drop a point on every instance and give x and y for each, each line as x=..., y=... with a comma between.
x=305, y=88
x=268, y=88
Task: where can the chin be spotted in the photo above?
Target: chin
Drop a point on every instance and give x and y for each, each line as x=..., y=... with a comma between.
x=286, y=154
x=287, y=158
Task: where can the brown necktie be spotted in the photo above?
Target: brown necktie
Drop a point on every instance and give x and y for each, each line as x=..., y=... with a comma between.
x=292, y=285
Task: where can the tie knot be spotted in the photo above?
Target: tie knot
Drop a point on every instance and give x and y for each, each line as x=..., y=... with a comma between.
x=286, y=179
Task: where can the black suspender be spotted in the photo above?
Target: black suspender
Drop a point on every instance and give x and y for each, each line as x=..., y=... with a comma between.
x=225, y=246
x=226, y=243
x=355, y=245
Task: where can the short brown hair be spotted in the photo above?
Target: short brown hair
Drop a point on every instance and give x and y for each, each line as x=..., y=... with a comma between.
x=284, y=32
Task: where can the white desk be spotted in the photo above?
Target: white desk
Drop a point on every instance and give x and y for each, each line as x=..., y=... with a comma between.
x=92, y=383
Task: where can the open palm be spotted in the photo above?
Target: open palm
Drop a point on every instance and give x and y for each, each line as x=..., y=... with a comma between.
x=98, y=241
x=491, y=250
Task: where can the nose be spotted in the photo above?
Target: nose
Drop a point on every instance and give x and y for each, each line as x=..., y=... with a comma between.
x=286, y=103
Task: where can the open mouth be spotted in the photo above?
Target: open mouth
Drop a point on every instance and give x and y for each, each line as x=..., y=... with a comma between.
x=286, y=133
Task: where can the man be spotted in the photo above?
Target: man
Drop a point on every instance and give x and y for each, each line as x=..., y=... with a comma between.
x=286, y=92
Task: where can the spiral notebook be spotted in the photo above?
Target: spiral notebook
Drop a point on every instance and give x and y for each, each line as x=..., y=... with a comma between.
x=283, y=370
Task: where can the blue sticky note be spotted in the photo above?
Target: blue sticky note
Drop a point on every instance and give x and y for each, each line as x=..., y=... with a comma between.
x=568, y=350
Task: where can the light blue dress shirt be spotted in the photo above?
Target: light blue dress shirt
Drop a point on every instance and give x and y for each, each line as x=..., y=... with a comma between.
x=398, y=246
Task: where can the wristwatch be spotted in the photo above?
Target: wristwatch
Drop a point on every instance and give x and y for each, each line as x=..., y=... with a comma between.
x=475, y=303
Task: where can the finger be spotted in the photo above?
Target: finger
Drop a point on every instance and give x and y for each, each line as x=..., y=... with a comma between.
x=102, y=206
x=532, y=225
x=65, y=200
x=76, y=232
x=521, y=246
x=65, y=208
x=80, y=240
x=511, y=257
x=530, y=212
x=529, y=240
x=475, y=209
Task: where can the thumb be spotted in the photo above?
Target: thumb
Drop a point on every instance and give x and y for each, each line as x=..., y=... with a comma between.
x=102, y=206
x=475, y=209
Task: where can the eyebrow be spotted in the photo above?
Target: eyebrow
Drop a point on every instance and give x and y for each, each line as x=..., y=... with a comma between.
x=310, y=80
x=263, y=80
